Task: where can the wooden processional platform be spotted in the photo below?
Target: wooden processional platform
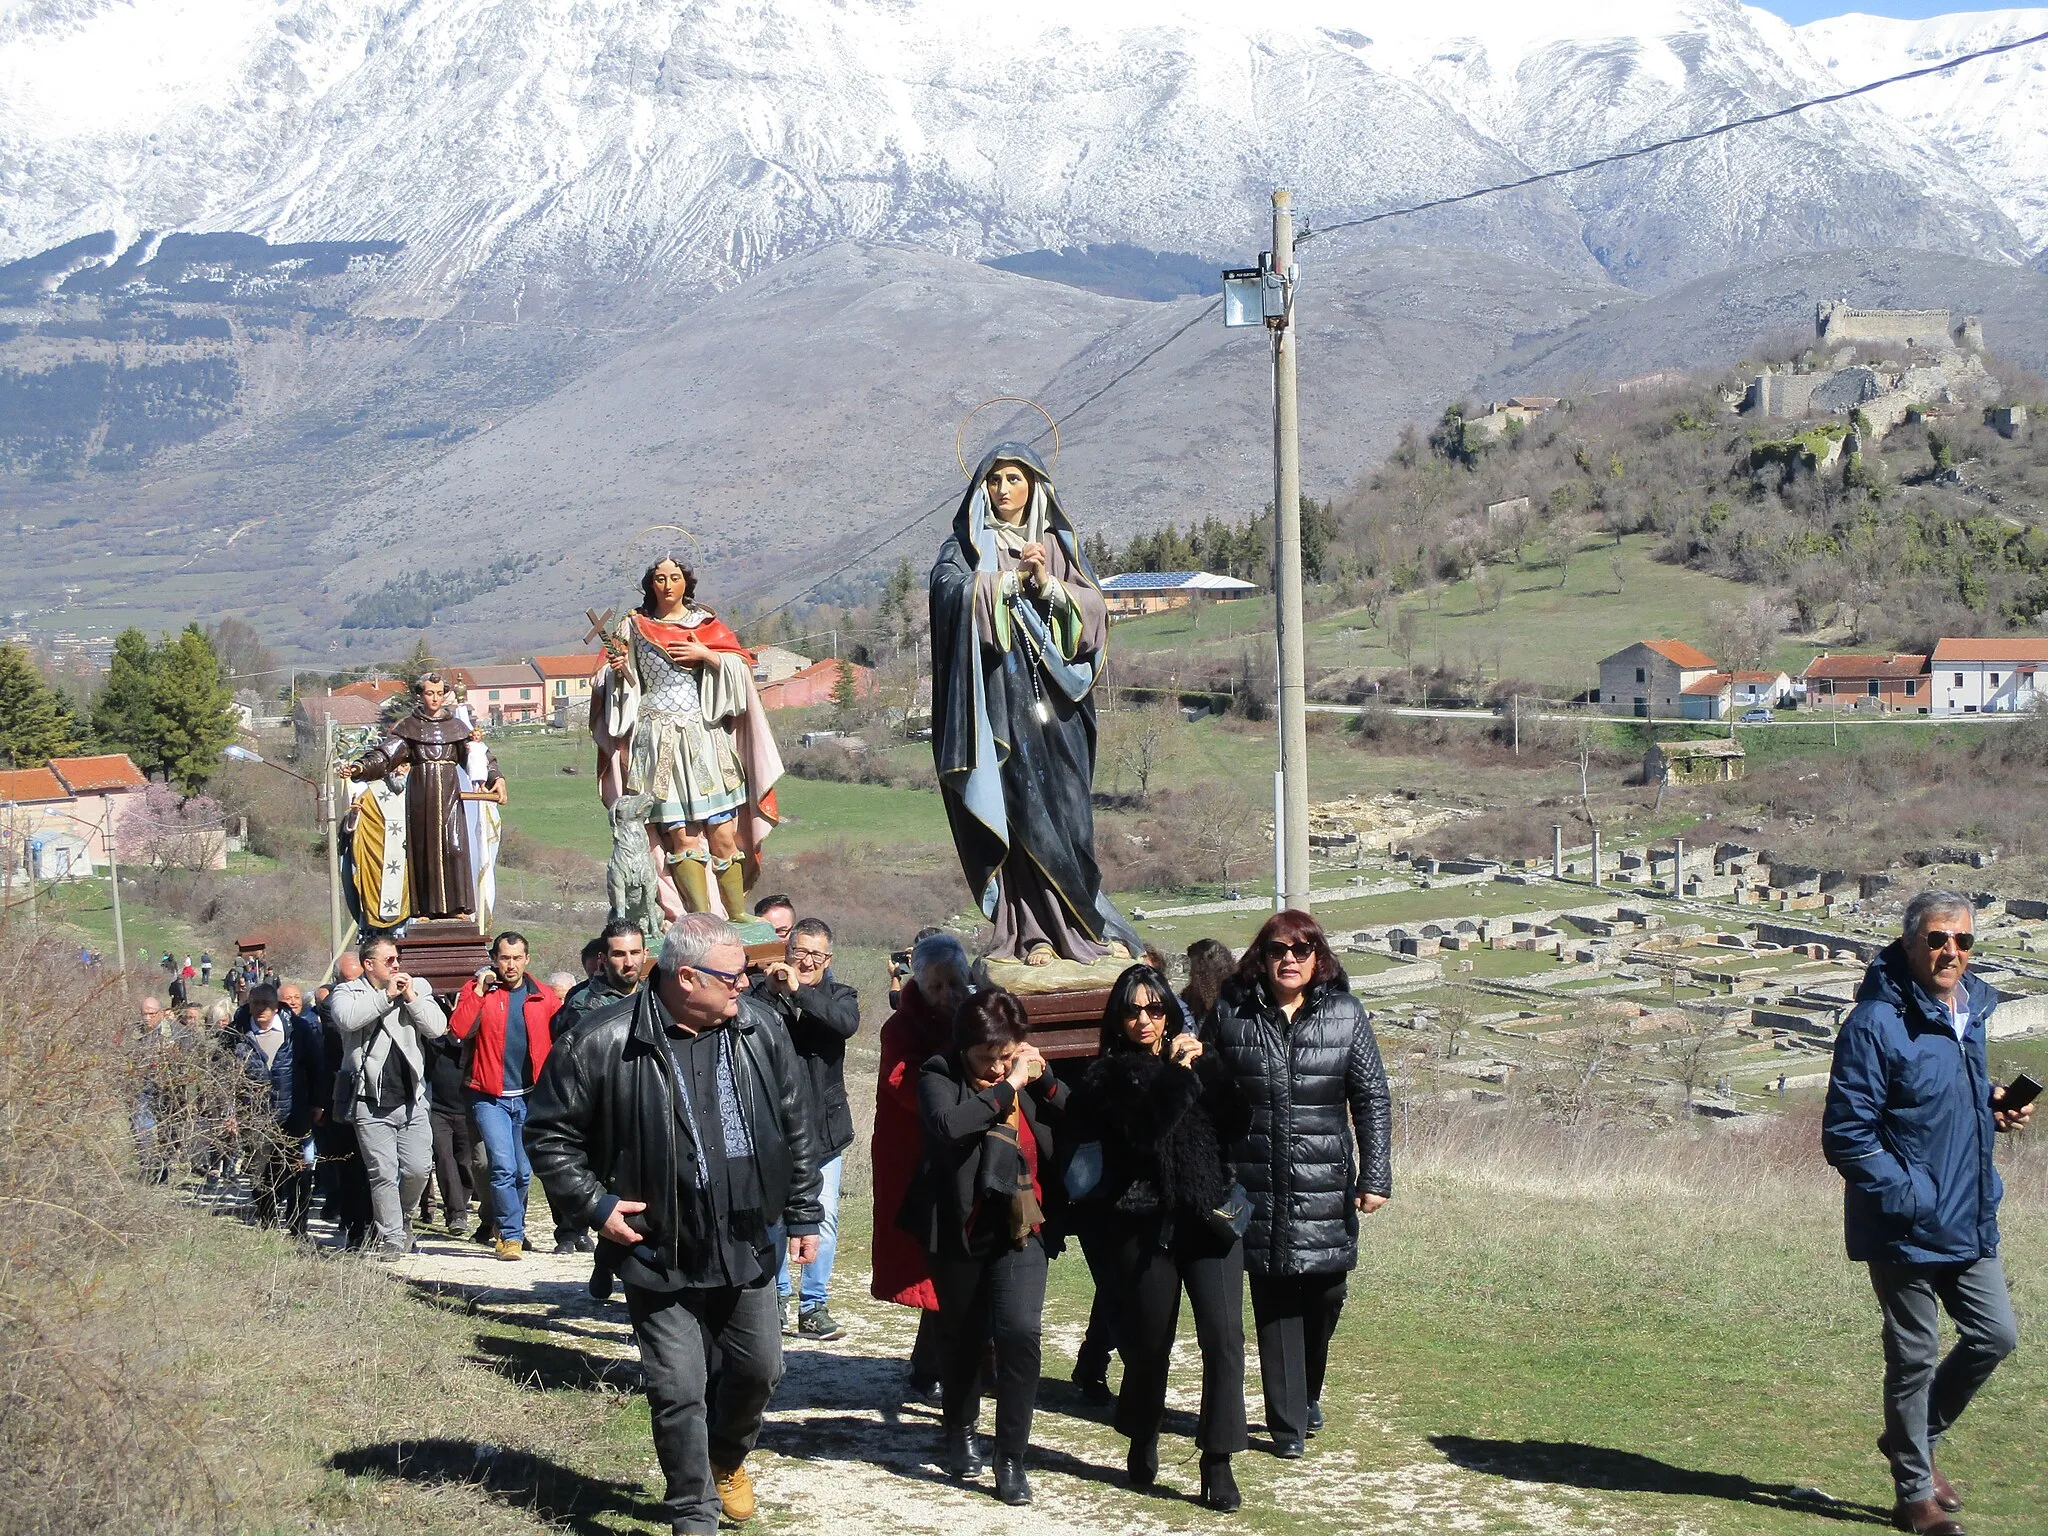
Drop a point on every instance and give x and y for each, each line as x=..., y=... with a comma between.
x=445, y=951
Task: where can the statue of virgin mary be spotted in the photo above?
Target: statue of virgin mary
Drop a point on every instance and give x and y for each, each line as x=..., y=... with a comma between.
x=1019, y=627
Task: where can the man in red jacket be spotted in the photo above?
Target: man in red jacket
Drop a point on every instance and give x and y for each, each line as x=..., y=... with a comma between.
x=502, y=1020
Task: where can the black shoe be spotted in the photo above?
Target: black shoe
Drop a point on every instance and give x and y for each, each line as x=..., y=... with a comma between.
x=1143, y=1462
x=1012, y=1487
x=963, y=1456
x=566, y=1245
x=931, y=1393
x=818, y=1325
x=1288, y=1448
x=1219, y=1488
x=1094, y=1387
x=485, y=1235
x=1315, y=1417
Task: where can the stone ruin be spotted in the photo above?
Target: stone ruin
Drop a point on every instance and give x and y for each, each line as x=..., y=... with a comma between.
x=1949, y=370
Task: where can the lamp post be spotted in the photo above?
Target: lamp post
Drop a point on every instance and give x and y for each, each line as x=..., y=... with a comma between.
x=323, y=801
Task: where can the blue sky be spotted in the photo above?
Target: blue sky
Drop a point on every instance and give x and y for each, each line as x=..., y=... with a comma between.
x=1797, y=11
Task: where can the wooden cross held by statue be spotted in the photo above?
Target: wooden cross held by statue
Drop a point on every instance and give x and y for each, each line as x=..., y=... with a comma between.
x=600, y=629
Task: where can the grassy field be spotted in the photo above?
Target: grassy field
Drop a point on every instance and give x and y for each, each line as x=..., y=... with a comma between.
x=1550, y=634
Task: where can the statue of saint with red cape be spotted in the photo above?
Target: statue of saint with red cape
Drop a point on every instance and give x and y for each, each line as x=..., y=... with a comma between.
x=676, y=718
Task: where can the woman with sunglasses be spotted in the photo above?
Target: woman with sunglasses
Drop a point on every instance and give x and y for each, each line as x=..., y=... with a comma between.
x=1162, y=1109
x=1315, y=1159
x=987, y=1107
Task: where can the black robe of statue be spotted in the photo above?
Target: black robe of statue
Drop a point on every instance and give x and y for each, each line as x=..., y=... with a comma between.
x=1017, y=778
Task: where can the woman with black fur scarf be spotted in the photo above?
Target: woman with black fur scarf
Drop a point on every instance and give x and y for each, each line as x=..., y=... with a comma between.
x=1168, y=1216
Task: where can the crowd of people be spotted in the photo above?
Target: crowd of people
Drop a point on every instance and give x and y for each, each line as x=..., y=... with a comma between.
x=686, y=1112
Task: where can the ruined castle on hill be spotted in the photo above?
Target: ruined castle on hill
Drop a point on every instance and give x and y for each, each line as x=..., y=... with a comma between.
x=1916, y=360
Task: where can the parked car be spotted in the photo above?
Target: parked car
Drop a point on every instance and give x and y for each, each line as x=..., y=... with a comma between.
x=1757, y=716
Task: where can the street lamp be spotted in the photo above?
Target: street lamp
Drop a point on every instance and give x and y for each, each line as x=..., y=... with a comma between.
x=323, y=800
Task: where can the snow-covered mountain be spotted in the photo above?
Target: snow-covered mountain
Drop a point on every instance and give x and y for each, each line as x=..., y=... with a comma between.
x=1992, y=115
x=542, y=151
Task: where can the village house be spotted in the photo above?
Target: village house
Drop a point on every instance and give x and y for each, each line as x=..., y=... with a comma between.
x=774, y=663
x=1693, y=762
x=1140, y=592
x=61, y=817
x=506, y=695
x=1502, y=416
x=1720, y=694
x=1986, y=676
x=378, y=690
x=1649, y=678
x=1894, y=684
x=815, y=684
x=566, y=682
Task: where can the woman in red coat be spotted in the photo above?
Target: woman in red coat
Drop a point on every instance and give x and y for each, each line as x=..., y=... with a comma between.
x=920, y=1028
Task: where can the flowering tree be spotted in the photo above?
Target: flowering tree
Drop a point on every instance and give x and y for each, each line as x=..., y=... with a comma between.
x=167, y=830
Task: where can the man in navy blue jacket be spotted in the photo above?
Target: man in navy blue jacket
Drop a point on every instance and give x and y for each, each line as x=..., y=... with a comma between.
x=280, y=1053
x=1911, y=1118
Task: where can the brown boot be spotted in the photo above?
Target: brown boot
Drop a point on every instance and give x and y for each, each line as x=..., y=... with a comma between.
x=1944, y=1491
x=1924, y=1517
x=735, y=1493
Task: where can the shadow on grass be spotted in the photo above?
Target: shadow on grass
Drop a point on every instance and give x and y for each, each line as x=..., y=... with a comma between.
x=559, y=1495
x=554, y=1367
x=1570, y=1464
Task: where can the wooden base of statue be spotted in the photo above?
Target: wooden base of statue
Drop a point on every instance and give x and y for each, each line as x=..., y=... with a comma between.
x=1065, y=1024
x=445, y=951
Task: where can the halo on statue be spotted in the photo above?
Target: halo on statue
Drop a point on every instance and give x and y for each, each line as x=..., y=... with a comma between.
x=654, y=542
x=960, y=437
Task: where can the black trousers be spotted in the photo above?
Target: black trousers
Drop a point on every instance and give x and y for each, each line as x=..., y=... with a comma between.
x=453, y=1149
x=1091, y=1362
x=1002, y=1296
x=349, y=1205
x=1148, y=1281
x=1295, y=1314
x=928, y=1353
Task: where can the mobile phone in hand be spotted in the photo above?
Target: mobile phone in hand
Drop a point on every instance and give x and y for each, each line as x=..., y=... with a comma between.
x=2019, y=1093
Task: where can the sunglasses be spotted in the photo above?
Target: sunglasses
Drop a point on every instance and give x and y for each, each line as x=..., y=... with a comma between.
x=732, y=979
x=1146, y=1011
x=810, y=957
x=1300, y=949
x=1937, y=940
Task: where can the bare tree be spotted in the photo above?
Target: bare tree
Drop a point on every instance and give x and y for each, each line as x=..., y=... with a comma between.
x=1221, y=826
x=1743, y=637
x=1689, y=1052
x=1141, y=743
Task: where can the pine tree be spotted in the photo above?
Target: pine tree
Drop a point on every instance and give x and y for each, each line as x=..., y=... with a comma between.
x=122, y=716
x=844, y=695
x=194, y=713
x=35, y=722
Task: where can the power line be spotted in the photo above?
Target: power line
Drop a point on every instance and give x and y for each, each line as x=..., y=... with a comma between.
x=1684, y=138
x=1087, y=400
x=1536, y=179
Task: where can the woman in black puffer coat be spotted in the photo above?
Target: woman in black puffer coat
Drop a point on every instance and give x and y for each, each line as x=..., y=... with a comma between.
x=1162, y=1108
x=1316, y=1157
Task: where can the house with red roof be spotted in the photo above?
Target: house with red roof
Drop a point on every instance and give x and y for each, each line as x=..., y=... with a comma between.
x=1981, y=677
x=1649, y=679
x=63, y=814
x=566, y=682
x=1894, y=684
x=503, y=695
x=814, y=685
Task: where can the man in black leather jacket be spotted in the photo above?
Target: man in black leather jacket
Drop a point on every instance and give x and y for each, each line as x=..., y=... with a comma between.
x=678, y=1124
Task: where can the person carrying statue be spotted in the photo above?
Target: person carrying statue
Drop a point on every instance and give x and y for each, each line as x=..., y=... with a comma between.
x=420, y=844
x=1019, y=627
x=676, y=718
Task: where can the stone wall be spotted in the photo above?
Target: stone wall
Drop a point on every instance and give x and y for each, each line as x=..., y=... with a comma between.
x=1841, y=325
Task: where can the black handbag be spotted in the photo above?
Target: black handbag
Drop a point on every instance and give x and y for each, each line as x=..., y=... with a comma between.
x=1232, y=1218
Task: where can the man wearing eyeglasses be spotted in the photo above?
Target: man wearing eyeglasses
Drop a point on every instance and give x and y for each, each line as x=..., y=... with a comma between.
x=1911, y=1117
x=821, y=1015
x=679, y=1126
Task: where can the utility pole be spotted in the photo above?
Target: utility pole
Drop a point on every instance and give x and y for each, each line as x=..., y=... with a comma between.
x=114, y=881
x=327, y=823
x=1287, y=562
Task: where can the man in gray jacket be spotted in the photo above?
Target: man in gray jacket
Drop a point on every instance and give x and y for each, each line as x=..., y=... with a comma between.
x=381, y=1086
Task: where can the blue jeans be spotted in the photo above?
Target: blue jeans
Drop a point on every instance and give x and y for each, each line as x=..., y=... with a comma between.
x=818, y=1273
x=500, y=1125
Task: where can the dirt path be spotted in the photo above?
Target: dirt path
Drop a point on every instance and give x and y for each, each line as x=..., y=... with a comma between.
x=842, y=1451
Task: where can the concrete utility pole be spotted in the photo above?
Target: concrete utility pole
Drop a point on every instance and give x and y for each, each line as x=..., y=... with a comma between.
x=114, y=883
x=1287, y=566
x=327, y=823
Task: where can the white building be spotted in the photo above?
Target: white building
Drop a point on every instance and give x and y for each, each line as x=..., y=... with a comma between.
x=1973, y=677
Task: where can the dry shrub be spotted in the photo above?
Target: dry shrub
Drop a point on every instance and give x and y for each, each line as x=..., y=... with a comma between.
x=868, y=895
x=91, y=1437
